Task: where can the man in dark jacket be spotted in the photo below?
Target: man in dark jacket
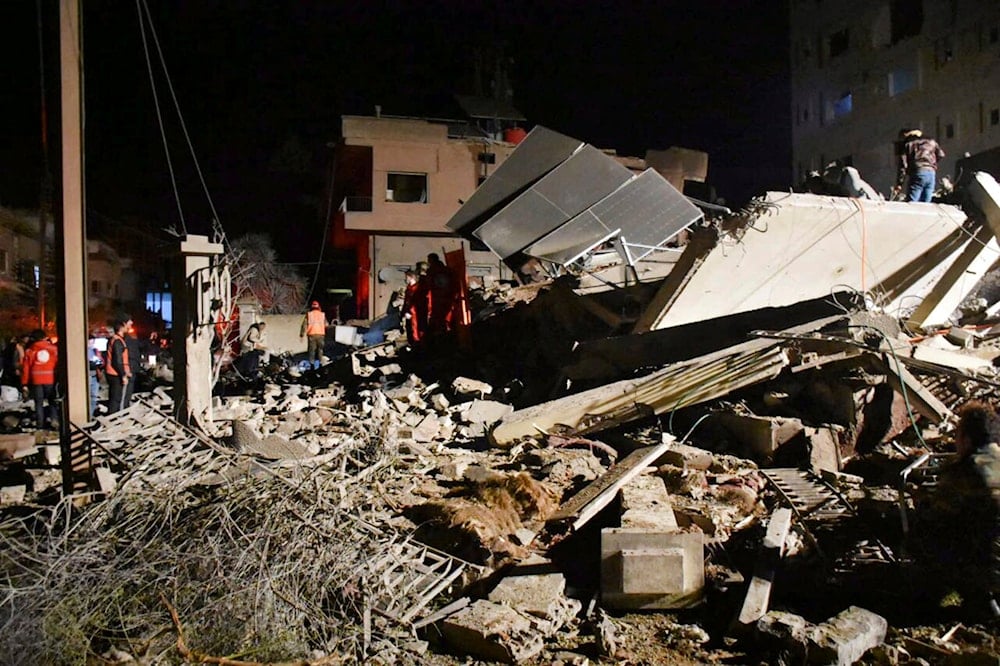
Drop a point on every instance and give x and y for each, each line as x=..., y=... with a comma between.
x=116, y=367
x=918, y=163
x=38, y=376
x=134, y=361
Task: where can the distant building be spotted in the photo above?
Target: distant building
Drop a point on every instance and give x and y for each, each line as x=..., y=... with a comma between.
x=862, y=71
x=395, y=183
x=20, y=250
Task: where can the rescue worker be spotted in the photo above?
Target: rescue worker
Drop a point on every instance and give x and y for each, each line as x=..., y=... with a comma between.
x=411, y=314
x=314, y=329
x=38, y=377
x=253, y=348
x=117, y=369
x=442, y=295
x=918, y=163
x=134, y=358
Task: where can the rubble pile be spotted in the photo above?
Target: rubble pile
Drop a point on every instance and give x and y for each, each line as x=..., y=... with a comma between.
x=729, y=464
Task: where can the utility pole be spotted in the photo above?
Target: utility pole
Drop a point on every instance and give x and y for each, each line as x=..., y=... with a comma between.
x=74, y=371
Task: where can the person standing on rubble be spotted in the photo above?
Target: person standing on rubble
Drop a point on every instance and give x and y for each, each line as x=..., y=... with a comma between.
x=918, y=163
x=314, y=330
x=964, y=512
x=38, y=376
x=135, y=360
x=411, y=312
x=442, y=295
x=117, y=369
x=253, y=349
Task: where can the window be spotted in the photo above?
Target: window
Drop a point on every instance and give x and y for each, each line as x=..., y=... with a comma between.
x=994, y=35
x=838, y=43
x=995, y=117
x=95, y=288
x=843, y=105
x=901, y=80
x=906, y=18
x=406, y=187
x=4, y=261
x=949, y=131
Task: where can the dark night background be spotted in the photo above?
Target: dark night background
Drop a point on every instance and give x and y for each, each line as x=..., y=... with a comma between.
x=261, y=86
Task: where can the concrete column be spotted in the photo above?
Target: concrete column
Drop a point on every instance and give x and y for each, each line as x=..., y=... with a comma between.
x=74, y=372
x=194, y=290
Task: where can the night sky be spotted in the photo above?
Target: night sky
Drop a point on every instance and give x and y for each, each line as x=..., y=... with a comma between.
x=261, y=86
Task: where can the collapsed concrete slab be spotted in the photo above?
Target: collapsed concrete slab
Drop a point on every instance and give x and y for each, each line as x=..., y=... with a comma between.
x=800, y=247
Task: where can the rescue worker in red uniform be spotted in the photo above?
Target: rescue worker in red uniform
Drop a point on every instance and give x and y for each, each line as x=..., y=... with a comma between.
x=314, y=328
x=38, y=376
x=411, y=311
x=116, y=367
x=442, y=295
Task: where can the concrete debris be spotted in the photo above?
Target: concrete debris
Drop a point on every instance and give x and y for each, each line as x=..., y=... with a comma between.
x=494, y=632
x=768, y=399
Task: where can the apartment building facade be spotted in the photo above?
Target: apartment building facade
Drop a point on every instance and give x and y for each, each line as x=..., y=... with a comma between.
x=862, y=71
x=395, y=184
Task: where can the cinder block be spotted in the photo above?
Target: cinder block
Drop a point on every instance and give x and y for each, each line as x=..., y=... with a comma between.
x=649, y=568
x=845, y=637
x=646, y=504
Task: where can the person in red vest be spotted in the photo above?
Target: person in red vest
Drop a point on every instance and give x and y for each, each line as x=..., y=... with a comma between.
x=442, y=295
x=412, y=313
x=314, y=329
x=116, y=367
x=38, y=376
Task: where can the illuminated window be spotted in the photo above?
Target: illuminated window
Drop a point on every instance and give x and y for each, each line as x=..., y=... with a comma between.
x=843, y=105
x=901, y=80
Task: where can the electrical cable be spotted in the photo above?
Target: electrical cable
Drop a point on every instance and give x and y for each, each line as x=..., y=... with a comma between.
x=326, y=228
x=180, y=117
x=159, y=115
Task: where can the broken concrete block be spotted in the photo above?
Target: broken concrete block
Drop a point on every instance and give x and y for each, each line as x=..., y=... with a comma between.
x=845, y=637
x=466, y=386
x=784, y=632
x=12, y=494
x=824, y=449
x=651, y=568
x=761, y=436
x=439, y=401
x=493, y=631
x=540, y=595
x=646, y=504
x=686, y=457
x=487, y=412
x=107, y=480
x=427, y=429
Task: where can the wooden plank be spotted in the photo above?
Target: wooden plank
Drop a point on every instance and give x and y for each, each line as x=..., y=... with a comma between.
x=759, y=591
x=588, y=502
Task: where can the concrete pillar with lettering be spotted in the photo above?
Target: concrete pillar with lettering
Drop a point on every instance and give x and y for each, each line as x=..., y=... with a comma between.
x=196, y=290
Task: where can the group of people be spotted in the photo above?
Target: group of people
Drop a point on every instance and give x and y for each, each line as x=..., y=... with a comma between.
x=429, y=300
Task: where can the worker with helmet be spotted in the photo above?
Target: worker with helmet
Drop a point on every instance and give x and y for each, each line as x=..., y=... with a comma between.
x=314, y=328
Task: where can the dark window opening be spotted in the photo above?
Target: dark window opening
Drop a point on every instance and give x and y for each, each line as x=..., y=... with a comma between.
x=994, y=35
x=906, y=18
x=406, y=187
x=995, y=117
x=838, y=43
x=949, y=131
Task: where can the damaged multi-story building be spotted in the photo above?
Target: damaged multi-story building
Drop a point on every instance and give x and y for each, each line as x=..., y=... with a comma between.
x=862, y=71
